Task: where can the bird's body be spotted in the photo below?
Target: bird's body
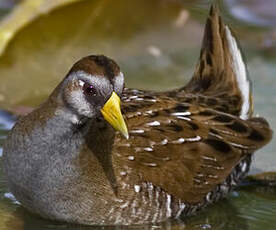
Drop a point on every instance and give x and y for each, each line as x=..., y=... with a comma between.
x=186, y=148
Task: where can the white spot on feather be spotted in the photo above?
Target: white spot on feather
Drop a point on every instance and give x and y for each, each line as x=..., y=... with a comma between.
x=181, y=208
x=244, y=167
x=81, y=83
x=192, y=139
x=137, y=131
x=135, y=91
x=150, y=186
x=122, y=173
x=197, y=180
x=184, y=118
x=124, y=144
x=124, y=205
x=131, y=158
x=137, y=188
x=133, y=97
x=208, y=197
x=180, y=141
x=152, y=164
x=148, y=149
x=124, y=185
x=168, y=206
x=164, y=142
x=209, y=158
x=154, y=123
x=187, y=113
x=239, y=69
x=149, y=112
x=212, y=176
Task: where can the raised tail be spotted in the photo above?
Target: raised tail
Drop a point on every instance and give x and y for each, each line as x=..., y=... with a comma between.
x=221, y=71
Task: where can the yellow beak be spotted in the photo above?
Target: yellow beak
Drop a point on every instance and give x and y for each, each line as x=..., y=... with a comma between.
x=112, y=114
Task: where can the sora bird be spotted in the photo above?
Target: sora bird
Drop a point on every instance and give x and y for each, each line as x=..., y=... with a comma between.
x=182, y=150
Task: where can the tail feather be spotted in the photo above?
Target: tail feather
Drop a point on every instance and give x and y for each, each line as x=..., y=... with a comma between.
x=221, y=71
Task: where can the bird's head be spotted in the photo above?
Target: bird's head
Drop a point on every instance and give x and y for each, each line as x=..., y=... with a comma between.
x=92, y=90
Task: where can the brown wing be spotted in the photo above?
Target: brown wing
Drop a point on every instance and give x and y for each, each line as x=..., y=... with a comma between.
x=185, y=149
x=181, y=140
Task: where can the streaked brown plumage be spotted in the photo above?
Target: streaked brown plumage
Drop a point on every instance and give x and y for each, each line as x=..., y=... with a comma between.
x=187, y=147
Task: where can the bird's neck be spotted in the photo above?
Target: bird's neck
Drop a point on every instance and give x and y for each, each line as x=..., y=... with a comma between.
x=60, y=124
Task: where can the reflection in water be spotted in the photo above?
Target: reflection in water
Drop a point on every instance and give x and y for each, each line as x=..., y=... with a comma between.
x=224, y=215
x=211, y=218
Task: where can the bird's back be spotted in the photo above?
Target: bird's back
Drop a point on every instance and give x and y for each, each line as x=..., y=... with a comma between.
x=196, y=142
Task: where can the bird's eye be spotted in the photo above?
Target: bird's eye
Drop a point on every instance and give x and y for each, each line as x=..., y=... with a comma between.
x=89, y=90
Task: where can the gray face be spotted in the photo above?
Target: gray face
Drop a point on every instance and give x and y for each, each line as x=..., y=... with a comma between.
x=86, y=94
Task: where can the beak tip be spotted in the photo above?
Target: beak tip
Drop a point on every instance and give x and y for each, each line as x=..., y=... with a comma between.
x=112, y=114
x=126, y=135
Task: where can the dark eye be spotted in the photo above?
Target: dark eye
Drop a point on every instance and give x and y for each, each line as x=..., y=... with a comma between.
x=89, y=90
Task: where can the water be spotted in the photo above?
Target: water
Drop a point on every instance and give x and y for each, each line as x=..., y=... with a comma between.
x=156, y=51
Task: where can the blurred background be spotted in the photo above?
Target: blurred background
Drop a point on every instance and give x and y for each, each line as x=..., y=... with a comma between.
x=157, y=44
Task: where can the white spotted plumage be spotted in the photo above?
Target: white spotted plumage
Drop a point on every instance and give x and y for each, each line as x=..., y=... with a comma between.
x=240, y=71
